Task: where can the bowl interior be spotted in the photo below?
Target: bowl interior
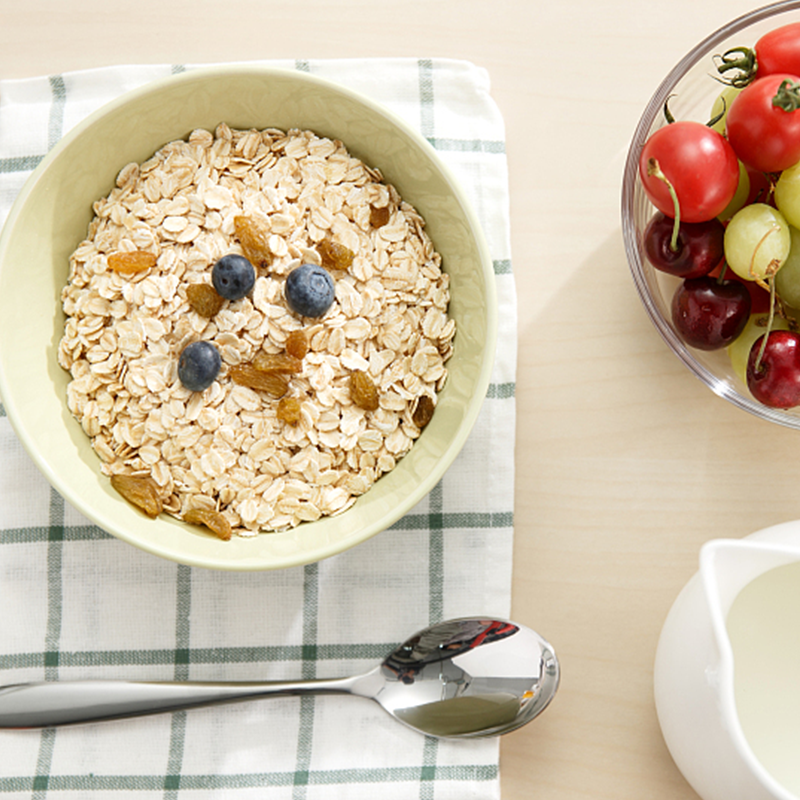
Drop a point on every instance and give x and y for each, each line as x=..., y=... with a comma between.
x=692, y=89
x=51, y=215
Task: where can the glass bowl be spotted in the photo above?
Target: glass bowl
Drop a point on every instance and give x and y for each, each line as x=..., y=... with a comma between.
x=691, y=87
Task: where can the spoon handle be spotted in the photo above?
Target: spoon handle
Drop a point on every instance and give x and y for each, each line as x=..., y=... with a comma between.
x=51, y=703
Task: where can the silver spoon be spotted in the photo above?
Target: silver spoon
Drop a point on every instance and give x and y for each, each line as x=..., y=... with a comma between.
x=463, y=678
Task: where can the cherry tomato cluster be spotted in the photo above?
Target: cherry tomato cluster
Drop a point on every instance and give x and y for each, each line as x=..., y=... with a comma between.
x=727, y=220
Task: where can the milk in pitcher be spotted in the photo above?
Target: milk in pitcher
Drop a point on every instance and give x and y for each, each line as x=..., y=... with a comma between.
x=764, y=629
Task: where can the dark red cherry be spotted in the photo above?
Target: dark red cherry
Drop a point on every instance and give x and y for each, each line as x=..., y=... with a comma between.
x=774, y=376
x=698, y=246
x=759, y=296
x=708, y=313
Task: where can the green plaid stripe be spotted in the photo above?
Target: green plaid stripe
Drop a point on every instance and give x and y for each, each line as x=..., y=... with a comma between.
x=55, y=544
x=71, y=533
x=501, y=391
x=55, y=129
x=56, y=537
x=435, y=499
x=410, y=522
x=309, y=672
x=426, y=127
x=20, y=163
x=435, y=554
x=468, y=145
x=177, y=736
x=70, y=659
x=155, y=783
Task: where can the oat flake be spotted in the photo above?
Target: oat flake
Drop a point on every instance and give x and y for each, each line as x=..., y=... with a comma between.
x=225, y=449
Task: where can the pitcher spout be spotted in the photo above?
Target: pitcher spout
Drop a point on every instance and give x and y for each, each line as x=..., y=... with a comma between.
x=728, y=565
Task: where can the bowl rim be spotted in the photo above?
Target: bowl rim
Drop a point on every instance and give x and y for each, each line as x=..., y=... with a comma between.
x=629, y=179
x=472, y=408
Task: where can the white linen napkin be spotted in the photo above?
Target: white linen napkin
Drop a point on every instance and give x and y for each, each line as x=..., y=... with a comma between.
x=77, y=603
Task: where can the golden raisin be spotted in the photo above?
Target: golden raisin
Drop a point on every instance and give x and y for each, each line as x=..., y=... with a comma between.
x=289, y=410
x=378, y=217
x=335, y=255
x=253, y=236
x=423, y=412
x=276, y=362
x=140, y=490
x=297, y=344
x=270, y=382
x=204, y=299
x=212, y=520
x=131, y=263
x=362, y=391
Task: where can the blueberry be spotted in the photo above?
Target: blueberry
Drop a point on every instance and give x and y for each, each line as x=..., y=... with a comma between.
x=309, y=290
x=233, y=276
x=198, y=365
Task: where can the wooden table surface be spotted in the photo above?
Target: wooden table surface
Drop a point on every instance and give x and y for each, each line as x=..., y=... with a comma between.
x=625, y=462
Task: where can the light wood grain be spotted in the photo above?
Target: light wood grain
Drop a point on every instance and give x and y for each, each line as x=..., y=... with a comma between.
x=626, y=464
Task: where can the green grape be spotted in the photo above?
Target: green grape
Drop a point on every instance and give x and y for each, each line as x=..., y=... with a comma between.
x=787, y=281
x=739, y=350
x=787, y=195
x=757, y=242
x=739, y=198
x=721, y=105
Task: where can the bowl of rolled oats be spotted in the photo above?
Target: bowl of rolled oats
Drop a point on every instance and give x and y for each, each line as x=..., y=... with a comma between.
x=169, y=378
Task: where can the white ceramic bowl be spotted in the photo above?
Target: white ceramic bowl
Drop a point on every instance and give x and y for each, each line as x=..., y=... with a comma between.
x=693, y=90
x=50, y=217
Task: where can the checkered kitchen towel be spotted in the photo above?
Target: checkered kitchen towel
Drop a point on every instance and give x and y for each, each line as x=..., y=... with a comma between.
x=77, y=603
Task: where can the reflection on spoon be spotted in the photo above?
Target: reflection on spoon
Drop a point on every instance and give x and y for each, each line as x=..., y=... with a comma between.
x=462, y=678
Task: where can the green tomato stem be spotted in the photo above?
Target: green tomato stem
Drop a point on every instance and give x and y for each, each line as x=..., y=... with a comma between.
x=743, y=61
x=788, y=96
x=654, y=170
x=667, y=113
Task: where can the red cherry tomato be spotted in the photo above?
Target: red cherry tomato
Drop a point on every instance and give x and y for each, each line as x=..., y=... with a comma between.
x=779, y=51
x=700, y=165
x=776, y=51
x=763, y=135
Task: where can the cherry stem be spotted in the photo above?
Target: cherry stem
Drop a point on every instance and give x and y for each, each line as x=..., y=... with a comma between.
x=773, y=265
x=770, y=320
x=654, y=170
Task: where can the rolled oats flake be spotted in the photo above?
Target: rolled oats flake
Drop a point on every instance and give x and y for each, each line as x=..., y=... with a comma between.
x=226, y=451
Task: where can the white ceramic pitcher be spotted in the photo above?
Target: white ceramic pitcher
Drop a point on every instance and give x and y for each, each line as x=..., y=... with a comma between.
x=734, y=732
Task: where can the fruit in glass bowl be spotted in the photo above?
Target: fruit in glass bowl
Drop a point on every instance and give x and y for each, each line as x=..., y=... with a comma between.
x=758, y=219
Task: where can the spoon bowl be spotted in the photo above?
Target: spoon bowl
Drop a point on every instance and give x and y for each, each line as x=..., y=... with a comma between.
x=463, y=678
